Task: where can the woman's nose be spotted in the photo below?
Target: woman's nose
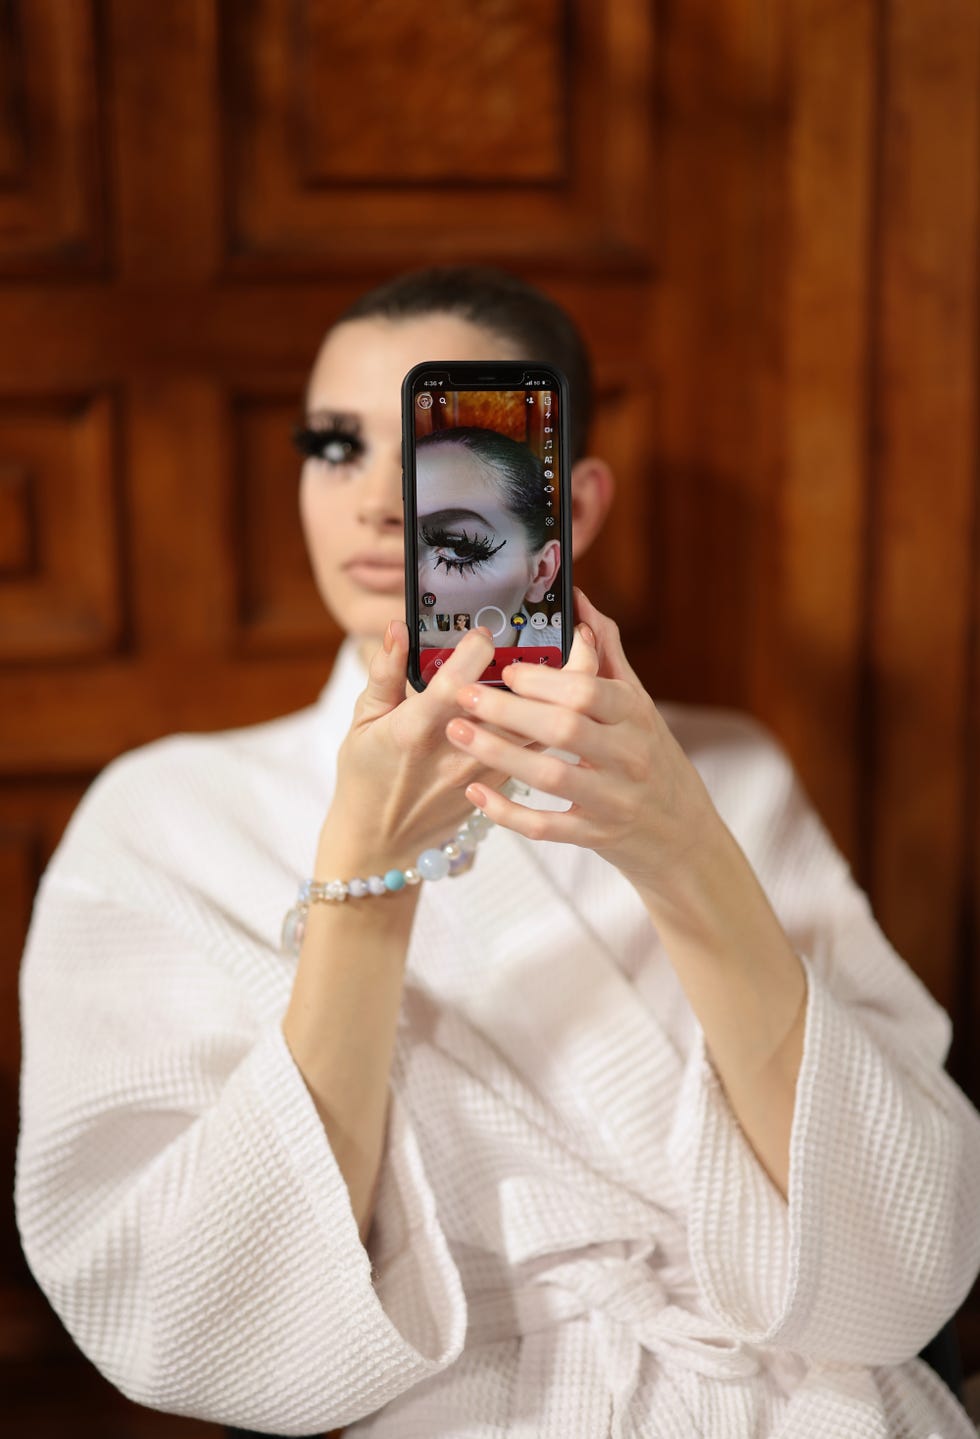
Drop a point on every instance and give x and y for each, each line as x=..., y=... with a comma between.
x=380, y=496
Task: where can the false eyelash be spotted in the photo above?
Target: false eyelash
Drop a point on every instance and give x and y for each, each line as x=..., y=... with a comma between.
x=481, y=548
x=314, y=443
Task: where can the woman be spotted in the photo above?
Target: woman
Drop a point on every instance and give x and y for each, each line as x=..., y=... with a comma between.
x=635, y=1126
x=498, y=568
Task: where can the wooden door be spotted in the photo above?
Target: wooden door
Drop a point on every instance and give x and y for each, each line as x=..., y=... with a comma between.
x=764, y=218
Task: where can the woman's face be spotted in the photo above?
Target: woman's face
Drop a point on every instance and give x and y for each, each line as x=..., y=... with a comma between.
x=474, y=556
x=351, y=500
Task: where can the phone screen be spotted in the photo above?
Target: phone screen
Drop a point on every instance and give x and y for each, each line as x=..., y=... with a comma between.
x=487, y=513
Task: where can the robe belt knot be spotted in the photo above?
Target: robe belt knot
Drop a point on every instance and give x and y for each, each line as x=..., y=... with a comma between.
x=627, y=1306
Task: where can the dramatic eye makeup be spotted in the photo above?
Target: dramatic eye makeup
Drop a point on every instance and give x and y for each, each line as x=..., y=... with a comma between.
x=334, y=439
x=468, y=552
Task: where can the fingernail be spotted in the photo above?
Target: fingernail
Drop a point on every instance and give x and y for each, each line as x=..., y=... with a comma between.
x=482, y=630
x=460, y=731
x=388, y=640
x=476, y=796
x=587, y=634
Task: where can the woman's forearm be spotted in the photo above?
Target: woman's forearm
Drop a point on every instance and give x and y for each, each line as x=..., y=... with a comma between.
x=746, y=986
x=343, y=1012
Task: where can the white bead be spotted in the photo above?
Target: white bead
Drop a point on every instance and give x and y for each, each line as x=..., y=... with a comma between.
x=452, y=850
x=377, y=885
x=337, y=890
x=357, y=888
x=412, y=876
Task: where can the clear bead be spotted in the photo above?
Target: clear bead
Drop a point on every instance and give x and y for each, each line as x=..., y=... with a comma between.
x=377, y=885
x=293, y=929
x=466, y=841
x=479, y=825
x=433, y=864
x=357, y=888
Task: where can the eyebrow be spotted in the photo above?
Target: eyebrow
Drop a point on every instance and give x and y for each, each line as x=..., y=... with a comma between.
x=454, y=513
x=336, y=418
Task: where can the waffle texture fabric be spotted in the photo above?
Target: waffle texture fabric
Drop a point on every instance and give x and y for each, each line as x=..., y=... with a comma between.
x=572, y=1236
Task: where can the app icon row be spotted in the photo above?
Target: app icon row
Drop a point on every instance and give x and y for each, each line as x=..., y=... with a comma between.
x=537, y=619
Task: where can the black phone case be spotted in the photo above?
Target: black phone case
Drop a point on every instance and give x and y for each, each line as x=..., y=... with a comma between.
x=482, y=375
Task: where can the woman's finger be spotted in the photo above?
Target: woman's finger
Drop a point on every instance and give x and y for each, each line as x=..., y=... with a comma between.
x=385, y=687
x=583, y=657
x=612, y=662
x=605, y=701
x=465, y=665
x=561, y=715
x=564, y=826
x=545, y=772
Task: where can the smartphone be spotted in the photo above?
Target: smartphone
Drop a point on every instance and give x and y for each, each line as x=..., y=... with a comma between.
x=486, y=463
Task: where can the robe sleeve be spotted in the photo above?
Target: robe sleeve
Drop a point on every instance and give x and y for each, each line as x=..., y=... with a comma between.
x=878, y=1241
x=177, y=1198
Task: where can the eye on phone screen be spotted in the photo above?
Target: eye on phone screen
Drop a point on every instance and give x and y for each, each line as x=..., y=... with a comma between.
x=487, y=513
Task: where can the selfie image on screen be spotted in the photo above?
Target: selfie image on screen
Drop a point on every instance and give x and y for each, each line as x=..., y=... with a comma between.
x=487, y=503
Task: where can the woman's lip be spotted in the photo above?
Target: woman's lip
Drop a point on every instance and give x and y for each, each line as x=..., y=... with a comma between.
x=384, y=578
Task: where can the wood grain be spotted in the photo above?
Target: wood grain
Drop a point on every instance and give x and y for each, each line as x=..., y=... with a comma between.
x=922, y=535
x=52, y=165
x=765, y=220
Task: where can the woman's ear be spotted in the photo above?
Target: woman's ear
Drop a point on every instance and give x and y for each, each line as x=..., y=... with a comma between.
x=545, y=571
x=593, y=488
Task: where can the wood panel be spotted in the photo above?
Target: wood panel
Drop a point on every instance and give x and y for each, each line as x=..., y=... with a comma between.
x=516, y=130
x=807, y=671
x=624, y=574
x=493, y=79
x=278, y=609
x=716, y=333
x=181, y=538
x=51, y=164
x=764, y=219
x=33, y=815
x=61, y=590
x=165, y=143
x=926, y=478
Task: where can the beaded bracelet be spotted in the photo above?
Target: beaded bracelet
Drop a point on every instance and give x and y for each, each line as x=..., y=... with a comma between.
x=453, y=858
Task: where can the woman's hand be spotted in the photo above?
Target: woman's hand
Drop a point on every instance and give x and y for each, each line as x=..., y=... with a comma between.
x=400, y=783
x=636, y=799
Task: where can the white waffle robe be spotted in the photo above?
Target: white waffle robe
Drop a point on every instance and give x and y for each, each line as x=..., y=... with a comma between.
x=572, y=1236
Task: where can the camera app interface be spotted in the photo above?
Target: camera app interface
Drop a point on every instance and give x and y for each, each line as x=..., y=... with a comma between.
x=489, y=523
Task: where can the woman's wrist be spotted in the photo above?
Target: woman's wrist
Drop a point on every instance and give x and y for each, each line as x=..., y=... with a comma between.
x=710, y=894
x=333, y=883
x=349, y=844
x=343, y=859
